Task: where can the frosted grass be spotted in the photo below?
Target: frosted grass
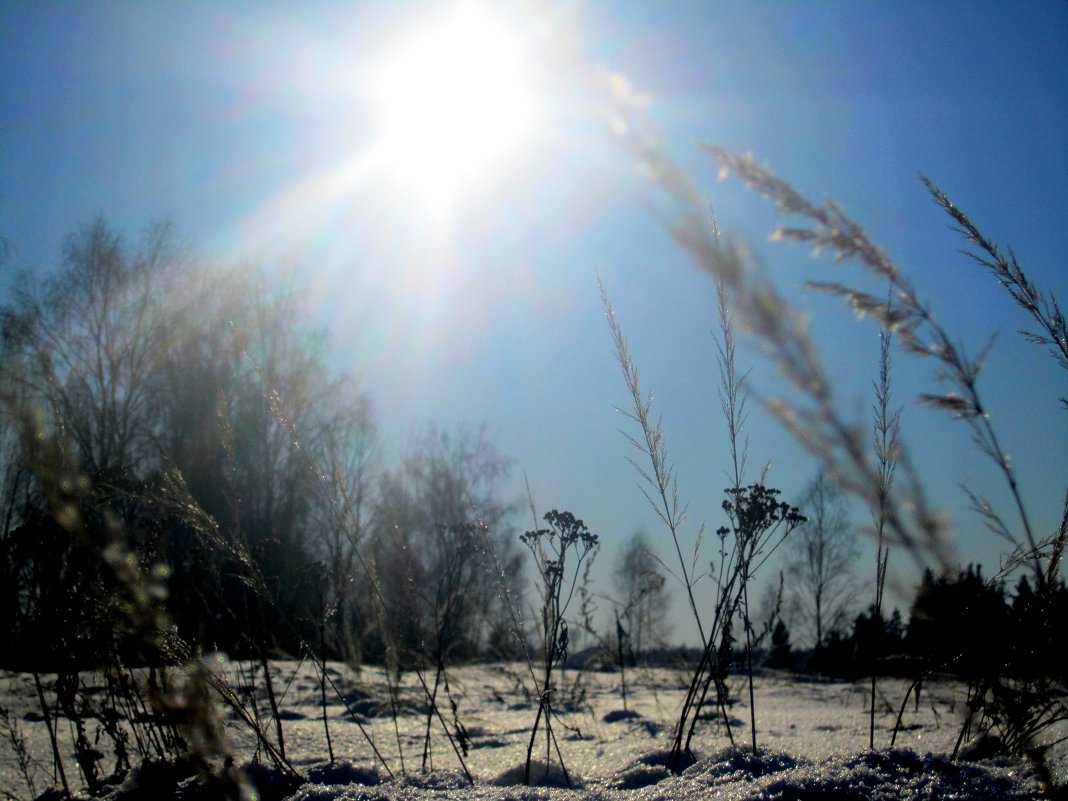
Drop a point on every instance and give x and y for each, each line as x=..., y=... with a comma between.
x=814, y=737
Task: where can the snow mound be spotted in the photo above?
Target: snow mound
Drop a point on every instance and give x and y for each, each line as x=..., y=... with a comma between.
x=343, y=773
x=616, y=715
x=541, y=775
x=737, y=775
x=739, y=764
x=636, y=719
x=733, y=774
x=642, y=774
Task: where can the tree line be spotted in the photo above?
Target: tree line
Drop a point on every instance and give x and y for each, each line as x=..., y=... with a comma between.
x=192, y=412
x=189, y=409
x=959, y=623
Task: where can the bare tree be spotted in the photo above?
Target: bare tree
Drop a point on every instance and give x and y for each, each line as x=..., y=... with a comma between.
x=342, y=508
x=642, y=594
x=77, y=369
x=263, y=436
x=432, y=567
x=822, y=588
x=83, y=342
x=156, y=370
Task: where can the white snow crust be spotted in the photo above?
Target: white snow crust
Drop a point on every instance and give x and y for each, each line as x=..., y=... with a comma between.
x=813, y=739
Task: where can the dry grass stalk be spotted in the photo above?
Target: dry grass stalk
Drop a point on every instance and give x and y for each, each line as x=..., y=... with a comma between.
x=566, y=535
x=811, y=414
x=885, y=430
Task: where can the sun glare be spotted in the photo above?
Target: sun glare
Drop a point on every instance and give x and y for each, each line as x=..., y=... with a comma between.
x=454, y=101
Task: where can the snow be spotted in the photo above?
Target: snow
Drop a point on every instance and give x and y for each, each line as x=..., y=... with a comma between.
x=813, y=740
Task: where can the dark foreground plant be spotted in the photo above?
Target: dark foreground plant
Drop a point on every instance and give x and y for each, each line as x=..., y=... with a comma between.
x=451, y=596
x=1021, y=712
x=759, y=523
x=10, y=731
x=885, y=430
x=659, y=485
x=125, y=600
x=1016, y=711
x=558, y=551
x=812, y=414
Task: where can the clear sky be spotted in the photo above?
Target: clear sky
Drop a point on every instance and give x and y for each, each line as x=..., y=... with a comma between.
x=250, y=125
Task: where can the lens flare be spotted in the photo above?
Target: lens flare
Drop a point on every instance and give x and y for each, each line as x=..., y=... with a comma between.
x=454, y=101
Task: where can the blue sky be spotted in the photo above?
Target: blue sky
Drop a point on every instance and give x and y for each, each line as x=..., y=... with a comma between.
x=232, y=119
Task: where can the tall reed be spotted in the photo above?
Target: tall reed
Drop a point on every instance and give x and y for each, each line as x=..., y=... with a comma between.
x=885, y=428
x=812, y=413
x=758, y=525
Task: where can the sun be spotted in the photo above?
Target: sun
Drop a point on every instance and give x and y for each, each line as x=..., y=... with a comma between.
x=454, y=101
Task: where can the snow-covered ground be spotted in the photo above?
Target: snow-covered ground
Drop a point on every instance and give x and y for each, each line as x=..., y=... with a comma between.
x=813, y=739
